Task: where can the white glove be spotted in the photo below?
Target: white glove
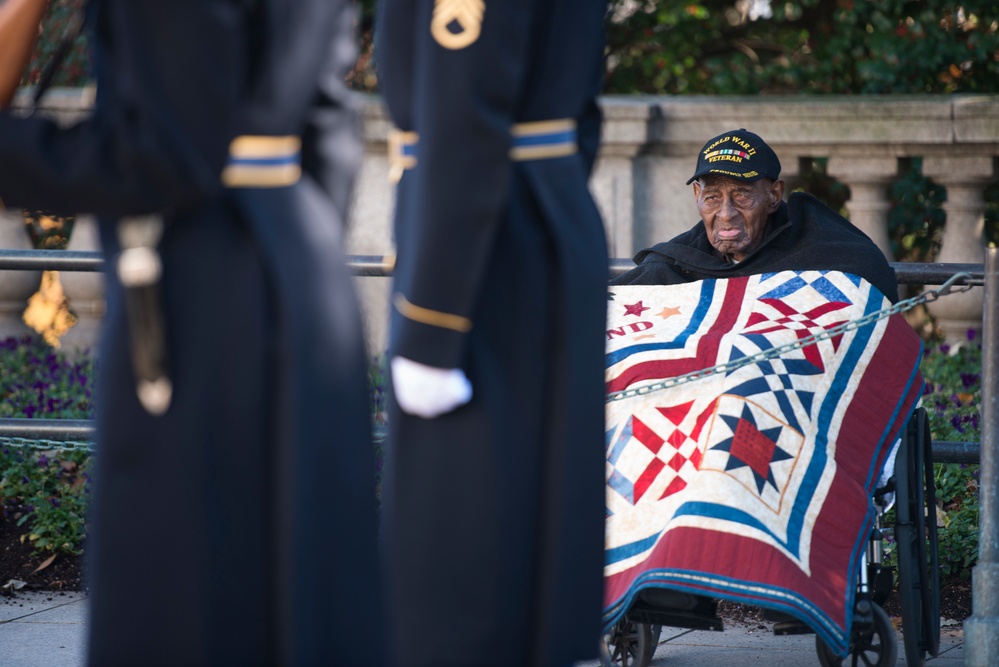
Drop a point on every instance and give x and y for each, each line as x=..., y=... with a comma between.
x=427, y=391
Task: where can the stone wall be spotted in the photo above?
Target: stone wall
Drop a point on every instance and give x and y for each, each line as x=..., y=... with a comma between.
x=649, y=147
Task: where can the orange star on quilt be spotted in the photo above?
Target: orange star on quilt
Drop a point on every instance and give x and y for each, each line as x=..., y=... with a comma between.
x=668, y=312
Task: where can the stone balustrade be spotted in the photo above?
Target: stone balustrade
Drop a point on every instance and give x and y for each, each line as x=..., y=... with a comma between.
x=649, y=147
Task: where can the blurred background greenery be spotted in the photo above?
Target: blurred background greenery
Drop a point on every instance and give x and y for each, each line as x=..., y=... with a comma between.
x=813, y=47
x=734, y=47
x=59, y=22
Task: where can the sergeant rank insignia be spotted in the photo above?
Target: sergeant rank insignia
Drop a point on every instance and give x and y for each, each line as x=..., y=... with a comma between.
x=457, y=23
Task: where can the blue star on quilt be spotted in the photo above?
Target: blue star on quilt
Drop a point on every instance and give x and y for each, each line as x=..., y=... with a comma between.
x=776, y=377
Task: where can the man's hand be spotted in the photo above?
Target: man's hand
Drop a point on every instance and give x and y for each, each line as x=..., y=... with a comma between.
x=427, y=391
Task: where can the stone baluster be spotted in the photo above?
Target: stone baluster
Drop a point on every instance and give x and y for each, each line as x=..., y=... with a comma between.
x=869, y=203
x=613, y=184
x=793, y=166
x=16, y=287
x=84, y=290
x=369, y=231
x=964, y=178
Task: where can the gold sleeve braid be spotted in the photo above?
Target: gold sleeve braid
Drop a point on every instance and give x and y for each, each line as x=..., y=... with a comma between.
x=434, y=318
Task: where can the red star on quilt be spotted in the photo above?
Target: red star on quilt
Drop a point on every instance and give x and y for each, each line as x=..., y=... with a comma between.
x=635, y=309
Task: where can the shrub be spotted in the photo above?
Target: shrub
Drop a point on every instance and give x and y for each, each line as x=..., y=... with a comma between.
x=39, y=382
x=378, y=386
x=916, y=219
x=957, y=500
x=45, y=488
x=953, y=397
x=59, y=21
x=46, y=492
x=749, y=47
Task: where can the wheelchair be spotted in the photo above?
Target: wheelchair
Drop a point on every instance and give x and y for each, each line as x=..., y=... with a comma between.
x=632, y=641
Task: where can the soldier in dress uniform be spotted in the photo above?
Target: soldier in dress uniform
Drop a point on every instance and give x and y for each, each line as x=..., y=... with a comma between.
x=494, y=494
x=234, y=513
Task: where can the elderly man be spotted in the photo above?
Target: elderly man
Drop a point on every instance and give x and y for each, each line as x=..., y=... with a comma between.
x=746, y=228
x=730, y=424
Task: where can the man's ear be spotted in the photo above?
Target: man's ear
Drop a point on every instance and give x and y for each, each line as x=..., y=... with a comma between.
x=776, y=194
x=697, y=190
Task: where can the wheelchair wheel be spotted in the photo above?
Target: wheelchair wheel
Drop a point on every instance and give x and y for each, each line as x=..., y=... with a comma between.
x=871, y=644
x=916, y=537
x=627, y=644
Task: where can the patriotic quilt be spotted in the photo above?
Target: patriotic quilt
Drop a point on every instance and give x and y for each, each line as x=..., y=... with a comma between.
x=753, y=483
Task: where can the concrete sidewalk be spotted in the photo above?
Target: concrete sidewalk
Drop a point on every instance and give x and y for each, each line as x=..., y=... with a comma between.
x=747, y=645
x=43, y=629
x=49, y=630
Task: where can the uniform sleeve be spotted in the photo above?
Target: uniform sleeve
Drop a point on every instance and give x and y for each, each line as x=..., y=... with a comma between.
x=465, y=92
x=169, y=76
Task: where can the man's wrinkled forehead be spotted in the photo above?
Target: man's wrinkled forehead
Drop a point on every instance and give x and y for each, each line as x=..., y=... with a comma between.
x=712, y=182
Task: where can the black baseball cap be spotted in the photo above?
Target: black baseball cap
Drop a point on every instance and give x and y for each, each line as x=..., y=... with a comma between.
x=739, y=155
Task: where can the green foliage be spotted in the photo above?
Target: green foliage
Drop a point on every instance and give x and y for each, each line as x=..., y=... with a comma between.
x=815, y=180
x=59, y=20
x=953, y=391
x=364, y=76
x=39, y=382
x=718, y=47
x=378, y=386
x=916, y=219
x=47, y=230
x=953, y=398
x=45, y=492
x=957, y=496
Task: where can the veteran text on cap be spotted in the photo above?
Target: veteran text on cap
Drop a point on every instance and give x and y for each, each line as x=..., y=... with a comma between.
x=738, y=154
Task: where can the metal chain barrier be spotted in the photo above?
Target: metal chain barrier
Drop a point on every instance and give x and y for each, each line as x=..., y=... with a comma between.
x=46, y=445
x=949, y=287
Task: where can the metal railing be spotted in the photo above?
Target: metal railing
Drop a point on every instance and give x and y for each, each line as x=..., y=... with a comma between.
x=61, y=430
x=908, y=273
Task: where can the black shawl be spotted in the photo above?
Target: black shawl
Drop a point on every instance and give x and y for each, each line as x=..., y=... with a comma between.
x=802, y=235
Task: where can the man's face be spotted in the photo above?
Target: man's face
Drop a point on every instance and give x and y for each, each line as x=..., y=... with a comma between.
x=735, y=212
